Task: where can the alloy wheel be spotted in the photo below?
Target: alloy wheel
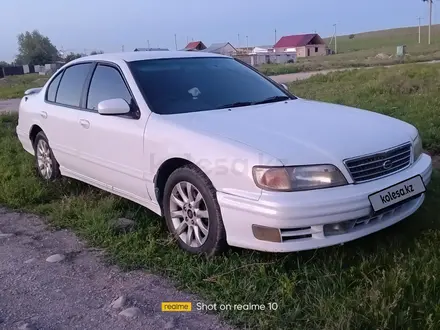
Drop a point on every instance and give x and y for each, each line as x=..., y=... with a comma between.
x=44, y=159
x=189, y=214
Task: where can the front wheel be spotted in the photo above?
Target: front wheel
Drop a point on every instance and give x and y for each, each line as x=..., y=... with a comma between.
x=192, y=212
x=46, y=164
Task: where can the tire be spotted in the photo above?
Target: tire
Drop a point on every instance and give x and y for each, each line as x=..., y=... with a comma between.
x=46, y=165
x=208, y=235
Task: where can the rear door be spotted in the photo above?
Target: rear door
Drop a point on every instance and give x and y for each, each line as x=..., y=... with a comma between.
x=59, y=119
x=112, y=145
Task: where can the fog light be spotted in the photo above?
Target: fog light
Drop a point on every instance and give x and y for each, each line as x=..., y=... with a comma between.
x=266, y=233
x=338, y=228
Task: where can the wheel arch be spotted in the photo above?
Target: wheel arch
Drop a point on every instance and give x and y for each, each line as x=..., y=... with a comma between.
x=165, y=170
x=35, y=129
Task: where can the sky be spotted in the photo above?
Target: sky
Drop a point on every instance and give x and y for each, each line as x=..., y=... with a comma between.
x=110, y=25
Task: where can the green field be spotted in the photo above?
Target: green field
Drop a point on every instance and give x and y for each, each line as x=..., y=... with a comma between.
x=388, y=280
x=387, y=40
x=14, y=86
x=368, y=49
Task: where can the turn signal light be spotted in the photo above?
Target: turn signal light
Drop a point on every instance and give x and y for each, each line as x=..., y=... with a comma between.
x=266, y=233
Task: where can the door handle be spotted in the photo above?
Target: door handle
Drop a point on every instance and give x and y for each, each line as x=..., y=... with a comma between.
x=84, y=123
x=43, y=114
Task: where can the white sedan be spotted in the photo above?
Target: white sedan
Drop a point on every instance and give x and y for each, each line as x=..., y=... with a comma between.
x=225, y=154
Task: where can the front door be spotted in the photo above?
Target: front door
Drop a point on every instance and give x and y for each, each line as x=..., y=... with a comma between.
x=308, y=51
x=112, y=146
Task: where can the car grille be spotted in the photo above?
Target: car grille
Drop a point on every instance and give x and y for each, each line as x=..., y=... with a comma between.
x=370, y=167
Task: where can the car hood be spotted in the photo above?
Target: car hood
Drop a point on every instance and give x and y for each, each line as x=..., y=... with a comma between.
x=303, y=132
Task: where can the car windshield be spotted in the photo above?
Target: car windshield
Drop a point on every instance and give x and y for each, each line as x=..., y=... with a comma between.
x=180, y=85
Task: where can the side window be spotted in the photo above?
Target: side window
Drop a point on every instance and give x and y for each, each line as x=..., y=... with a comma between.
x=106, y=84
x=52, y=89
x=72, y=83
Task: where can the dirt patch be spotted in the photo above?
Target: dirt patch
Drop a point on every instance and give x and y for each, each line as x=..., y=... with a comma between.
x=76, y=291
x=435, y=161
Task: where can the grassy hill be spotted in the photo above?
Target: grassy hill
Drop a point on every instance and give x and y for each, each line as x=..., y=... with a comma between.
x=390, y=39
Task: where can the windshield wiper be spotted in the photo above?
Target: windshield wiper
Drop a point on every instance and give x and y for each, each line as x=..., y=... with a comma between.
x=235, y=105
x=273, y=99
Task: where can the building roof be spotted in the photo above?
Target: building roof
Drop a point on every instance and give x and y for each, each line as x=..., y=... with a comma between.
x=138, y=56
x=193, y=45
x=296, y=40
x=265, y=46
x=217, y=46
x=149, y=49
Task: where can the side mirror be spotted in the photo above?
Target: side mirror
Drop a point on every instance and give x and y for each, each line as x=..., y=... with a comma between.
x=113, y=107
x=285, y=87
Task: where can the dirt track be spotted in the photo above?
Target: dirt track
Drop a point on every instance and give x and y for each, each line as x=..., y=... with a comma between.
x=76, y=292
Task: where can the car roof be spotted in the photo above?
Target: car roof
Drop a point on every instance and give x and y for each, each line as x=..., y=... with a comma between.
x=145, y=55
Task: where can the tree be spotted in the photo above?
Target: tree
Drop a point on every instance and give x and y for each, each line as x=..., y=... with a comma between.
x=96, y=52
x=351, y=36
x=35, y=49
x=3, y=63
x=72, y=56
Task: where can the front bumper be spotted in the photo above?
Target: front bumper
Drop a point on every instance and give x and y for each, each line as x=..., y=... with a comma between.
x=301, y=216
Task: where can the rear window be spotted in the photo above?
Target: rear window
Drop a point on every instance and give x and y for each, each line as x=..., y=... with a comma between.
x=53, y=87
x=72, y=83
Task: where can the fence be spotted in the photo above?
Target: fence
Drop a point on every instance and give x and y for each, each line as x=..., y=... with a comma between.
x=267, y=58
x=25, y=69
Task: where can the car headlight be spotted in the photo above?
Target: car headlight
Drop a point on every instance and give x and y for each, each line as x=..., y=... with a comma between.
x=417, y=147
x=297, y=178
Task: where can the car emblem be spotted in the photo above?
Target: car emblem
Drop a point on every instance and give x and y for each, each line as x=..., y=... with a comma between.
x=387, y=164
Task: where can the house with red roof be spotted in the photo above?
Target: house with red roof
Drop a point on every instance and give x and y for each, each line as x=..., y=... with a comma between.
x=304, y=45
x=195, y=45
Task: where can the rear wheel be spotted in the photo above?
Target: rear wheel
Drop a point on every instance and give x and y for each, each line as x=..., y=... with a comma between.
x=192, y=212
x=46, y=164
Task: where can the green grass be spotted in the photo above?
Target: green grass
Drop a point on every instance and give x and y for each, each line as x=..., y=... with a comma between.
x=409, y=92
x=388, y=280
x=363, y=51
x=389, y=39
x=14, y=86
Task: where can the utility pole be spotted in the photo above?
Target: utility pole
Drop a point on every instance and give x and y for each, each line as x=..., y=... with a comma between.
x=430, y=21
x=275, y=36
x=122, y=48
x=238, y=40
x=148, y=43
x=187, y=40
x=336, y=41
x=247, y=42
x=175, y=40
x=420, y=19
